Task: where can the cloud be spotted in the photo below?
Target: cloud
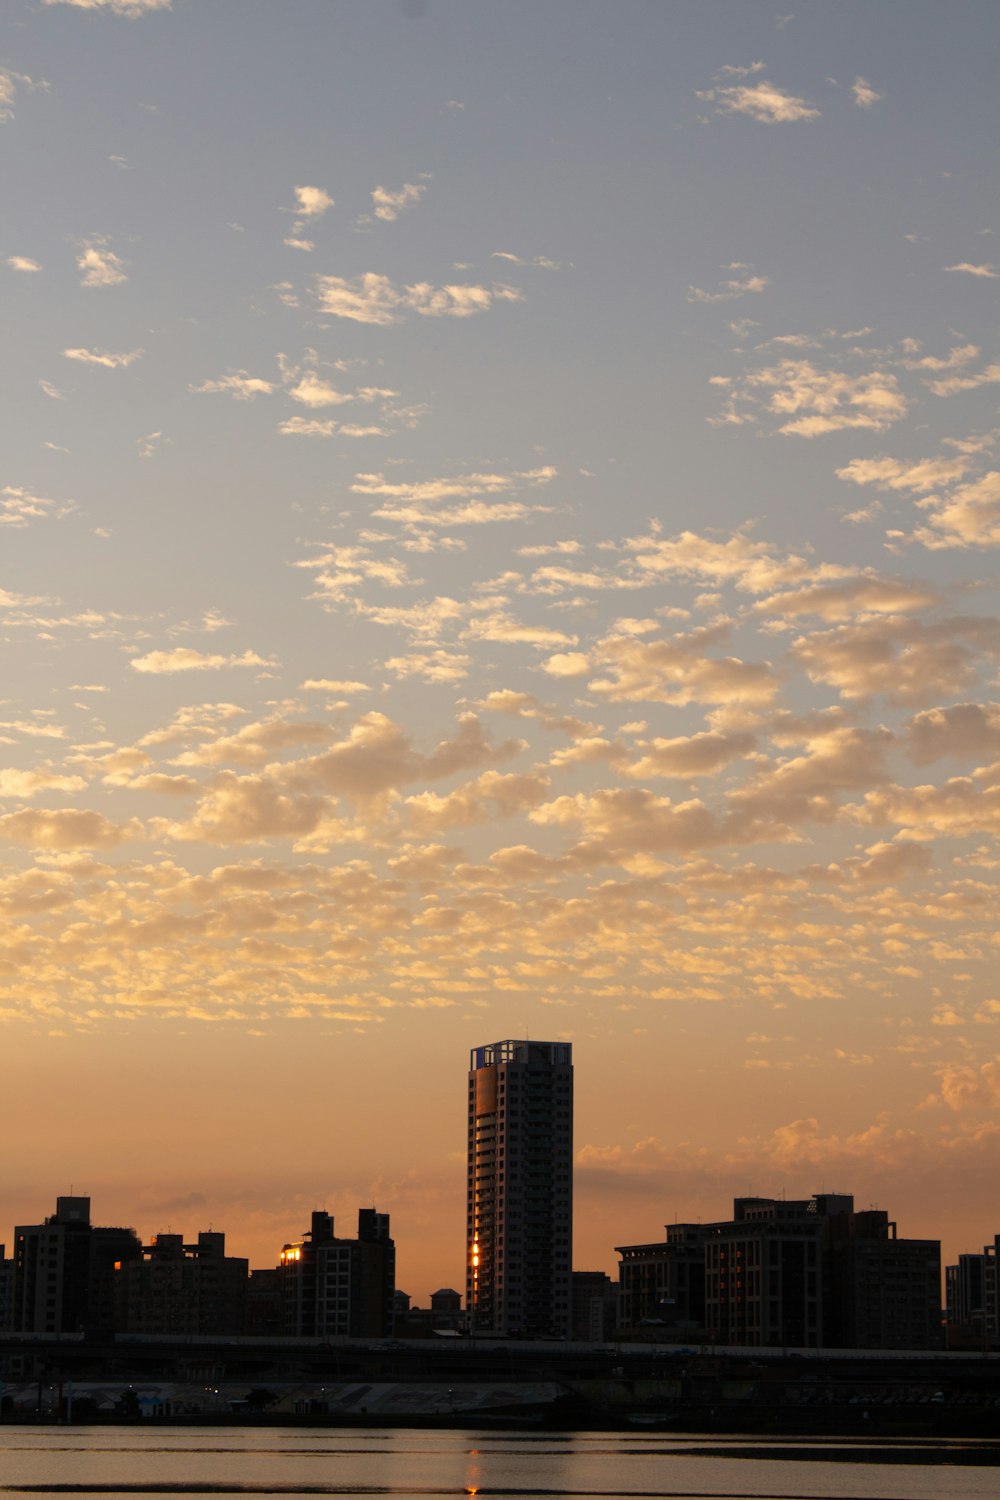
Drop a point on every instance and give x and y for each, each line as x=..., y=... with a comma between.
x=101, y=357
x=185, y=659
x=961, y=354
x=905, y=659
x=895, y=474
x=960, y=808
x=732, y=70
x=958, y=729
x=463, y=485
x=9, y=82
x=542, y=262
x=488, y=797
x=100, y=266
x=567, y=664
x=887, y=864
x=821, y=401
x=150, y=442
x=255, y=744
x=19, y=507
x=249, y=809
x=341, y=570
x=501, y=626
x=41, y=726
x=752, y=566
x=333, y=685
x=730, y=289
x=132, y=9
x=678, y=670
x=963, y=1087
x=21, y=784
x=864, y=95
x=968, y=517
x=295, y=243
x=868, y=593
x=21, y=262
x=990, y=273
x=419, y=502
x=761, y=101
x=306, y=427
x=371, y=298
x=240, y=385
x=686, y=756
x=389, y=205
x=953, y=384
x=293, y=800
x=312, y=202
x=438, y=665
x=312, y=391
x=378, y=755
x=69, y=828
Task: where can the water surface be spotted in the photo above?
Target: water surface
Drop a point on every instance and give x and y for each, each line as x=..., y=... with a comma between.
x=133, y=1461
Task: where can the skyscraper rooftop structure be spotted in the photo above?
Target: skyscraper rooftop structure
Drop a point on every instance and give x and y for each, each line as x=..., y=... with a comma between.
x=519, y=1227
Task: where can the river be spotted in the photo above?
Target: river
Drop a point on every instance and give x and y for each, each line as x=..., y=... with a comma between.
x=125, y=1461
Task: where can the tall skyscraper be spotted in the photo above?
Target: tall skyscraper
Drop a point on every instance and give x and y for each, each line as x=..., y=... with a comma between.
x=519, y=1227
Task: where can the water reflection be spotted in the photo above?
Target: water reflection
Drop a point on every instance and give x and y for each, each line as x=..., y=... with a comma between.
x=195, y=1462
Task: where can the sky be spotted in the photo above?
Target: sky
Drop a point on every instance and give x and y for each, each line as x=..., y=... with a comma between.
x=499, y=519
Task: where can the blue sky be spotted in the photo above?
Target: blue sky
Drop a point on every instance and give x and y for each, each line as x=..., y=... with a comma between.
x=498, y=532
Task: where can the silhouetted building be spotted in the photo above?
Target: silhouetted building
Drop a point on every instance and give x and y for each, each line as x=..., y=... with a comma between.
x=6, y=1292
x=885, y=1293
x=964, y=1300
x=595, y=1298
x=971, y=1298
x=763, y=1280
x=446, y=1302
x=519, y=1230
x=177, y=1288
x=64, y=1271
x=443, y=1317
x=333, y=1287
x=263, y=1318
x=991, y=1288
x=803, y=1273
x=662, y=1285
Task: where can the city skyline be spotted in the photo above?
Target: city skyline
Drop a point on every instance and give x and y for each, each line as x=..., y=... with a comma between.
x=498, y=537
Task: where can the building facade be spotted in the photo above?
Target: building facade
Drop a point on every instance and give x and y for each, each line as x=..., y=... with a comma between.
x=64, y=1271
x=972, y=1292
x=183, y=1289
x=519, y=1223
x=595, y=1299
x=339, y=1288
x=805, y=1273
x=662, y=1284
x=6, y=1292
